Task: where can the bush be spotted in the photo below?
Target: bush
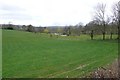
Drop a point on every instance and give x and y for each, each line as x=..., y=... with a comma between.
x=9, y=28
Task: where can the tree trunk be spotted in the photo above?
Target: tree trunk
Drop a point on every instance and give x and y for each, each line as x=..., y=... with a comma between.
x=69, y=32
x=118, y=33
x=111, y=35
x=104, y=29
x=103, y=35
x=92, y=35
x=119, y=24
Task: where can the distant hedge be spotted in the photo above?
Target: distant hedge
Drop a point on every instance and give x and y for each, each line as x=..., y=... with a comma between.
x=9, y=28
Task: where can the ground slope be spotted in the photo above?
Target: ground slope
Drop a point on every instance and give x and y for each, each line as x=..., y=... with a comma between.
x=38, y=55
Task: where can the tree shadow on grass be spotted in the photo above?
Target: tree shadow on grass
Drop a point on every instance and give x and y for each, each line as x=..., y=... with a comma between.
x=107, y=40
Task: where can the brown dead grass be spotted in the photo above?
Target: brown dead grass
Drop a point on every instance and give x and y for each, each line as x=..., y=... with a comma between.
x=111, y=71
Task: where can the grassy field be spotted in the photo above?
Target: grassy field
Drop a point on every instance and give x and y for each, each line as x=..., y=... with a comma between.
x=32, y=55
x=0, y=53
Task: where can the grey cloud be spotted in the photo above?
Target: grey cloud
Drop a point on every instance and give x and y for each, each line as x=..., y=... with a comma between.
x=16, y=16
x=8, y=7
x=13, y=12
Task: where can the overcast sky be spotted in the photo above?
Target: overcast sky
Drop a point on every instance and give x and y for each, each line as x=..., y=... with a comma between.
x=49, y=12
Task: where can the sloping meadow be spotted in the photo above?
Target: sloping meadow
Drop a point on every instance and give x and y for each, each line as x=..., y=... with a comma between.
x=37, y=55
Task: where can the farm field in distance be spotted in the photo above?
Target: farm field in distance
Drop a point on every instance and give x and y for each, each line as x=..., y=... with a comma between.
x=30, y=55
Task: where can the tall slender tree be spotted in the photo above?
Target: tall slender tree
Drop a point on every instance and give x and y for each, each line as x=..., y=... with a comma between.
x=116, y=16
x=100, y=17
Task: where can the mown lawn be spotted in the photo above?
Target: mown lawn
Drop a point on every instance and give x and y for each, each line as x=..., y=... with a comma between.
x=0, y=53
x=30, y=55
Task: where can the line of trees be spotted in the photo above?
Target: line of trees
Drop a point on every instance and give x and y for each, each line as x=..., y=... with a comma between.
x=103, y=22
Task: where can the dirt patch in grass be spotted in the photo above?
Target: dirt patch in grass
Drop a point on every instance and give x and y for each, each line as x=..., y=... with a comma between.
x=111, y=71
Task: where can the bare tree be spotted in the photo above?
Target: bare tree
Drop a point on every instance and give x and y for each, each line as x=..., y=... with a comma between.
x=116, y=16
x=79, y=28
x=67, y=31
x=100, y=17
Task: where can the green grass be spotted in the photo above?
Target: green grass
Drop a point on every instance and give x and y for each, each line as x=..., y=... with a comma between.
x=0, y=53
x=30, y=55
